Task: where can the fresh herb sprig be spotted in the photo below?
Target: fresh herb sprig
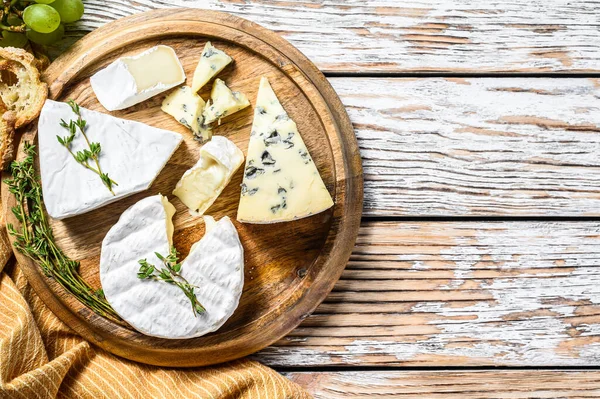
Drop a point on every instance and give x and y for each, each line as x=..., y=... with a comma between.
x=170, y=274
x=34, y=237
x=84, y=156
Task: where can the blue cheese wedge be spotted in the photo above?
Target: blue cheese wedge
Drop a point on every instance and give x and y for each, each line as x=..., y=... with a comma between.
x=186, y=107
x=281, y=182
x=212, y=61
x=215, y=265
x=133, y=154
x=200, y=186
x=223, y=102
x=131, y=80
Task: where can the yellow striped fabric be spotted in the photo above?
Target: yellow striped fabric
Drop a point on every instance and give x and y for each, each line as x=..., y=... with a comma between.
x=40, y=357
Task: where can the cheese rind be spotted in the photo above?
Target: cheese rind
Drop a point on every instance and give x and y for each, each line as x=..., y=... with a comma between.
x=223, y=102
x=133, y=154
x=281, y=182
x=201, y=185
x=186, y=107
x=131, y=80
x=212, y=61
x=215, y=265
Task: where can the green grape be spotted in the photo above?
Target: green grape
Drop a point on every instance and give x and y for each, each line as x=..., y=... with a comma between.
x=69, y=10
x=46, y=38
x=13, y=39
x=44, y=1
x=41, y=18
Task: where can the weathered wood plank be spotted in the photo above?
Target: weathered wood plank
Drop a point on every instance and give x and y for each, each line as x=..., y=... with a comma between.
x=420, y=36
x=449, y=384
x=458, y=294
x=479, y=146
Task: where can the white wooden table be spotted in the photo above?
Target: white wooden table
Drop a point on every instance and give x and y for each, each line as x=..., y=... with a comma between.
x=476, y=271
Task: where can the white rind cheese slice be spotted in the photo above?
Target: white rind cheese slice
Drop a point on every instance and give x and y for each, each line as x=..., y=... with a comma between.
x=133, y=154
x=223, y=102
x=200, y=186
x=212, y=61
x=215, y=265
x=186, y=107
x=281, y=182
x=131, y=80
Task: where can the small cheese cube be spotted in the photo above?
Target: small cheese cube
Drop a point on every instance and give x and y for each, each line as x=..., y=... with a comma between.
x=223, y=102
x=186, y=107
x=212, y=61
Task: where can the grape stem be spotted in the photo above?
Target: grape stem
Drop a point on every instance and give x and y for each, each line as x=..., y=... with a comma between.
x=7, y=6
x=19, y=29
x=10, y=6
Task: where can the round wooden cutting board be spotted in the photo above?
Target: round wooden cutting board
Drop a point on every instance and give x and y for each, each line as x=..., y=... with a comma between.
x=289, y=267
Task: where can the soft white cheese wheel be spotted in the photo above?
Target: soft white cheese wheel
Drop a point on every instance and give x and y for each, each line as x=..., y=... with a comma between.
x=215, y=264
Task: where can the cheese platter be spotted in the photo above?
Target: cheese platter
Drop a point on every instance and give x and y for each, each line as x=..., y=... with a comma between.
x=188, y=157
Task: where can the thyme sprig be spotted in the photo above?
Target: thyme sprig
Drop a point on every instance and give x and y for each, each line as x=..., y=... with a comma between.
x=170, y=274
x=34, y=237
x=84, y=156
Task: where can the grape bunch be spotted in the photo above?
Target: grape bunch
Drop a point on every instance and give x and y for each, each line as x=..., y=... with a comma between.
x=38, y=21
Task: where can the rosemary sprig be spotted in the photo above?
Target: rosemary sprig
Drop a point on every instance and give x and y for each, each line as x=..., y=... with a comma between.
x=170, y=274
x=34, y=237
x=83, y=157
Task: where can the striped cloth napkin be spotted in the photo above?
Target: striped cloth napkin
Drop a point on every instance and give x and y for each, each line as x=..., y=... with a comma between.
x=40, y=357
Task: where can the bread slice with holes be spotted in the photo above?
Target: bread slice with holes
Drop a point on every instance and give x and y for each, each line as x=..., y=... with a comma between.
x=21, y=88
x=7, y=136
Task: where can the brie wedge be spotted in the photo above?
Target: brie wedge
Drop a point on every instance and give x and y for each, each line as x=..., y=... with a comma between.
x=215, y=265
x=132, y=154
x=186, y=107
x=200, y=186
x=212, y=61
x=223, y=102
x=281, y=182
x=131, y=80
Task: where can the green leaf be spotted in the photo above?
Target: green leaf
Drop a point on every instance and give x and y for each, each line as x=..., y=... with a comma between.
x=95, y=148
x=164, y=274
x=81, y=156
x=74, y=106
x=17, y=212
x=81, y=124
x=199, y=308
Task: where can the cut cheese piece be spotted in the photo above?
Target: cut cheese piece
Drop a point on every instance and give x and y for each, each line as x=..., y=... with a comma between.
x=131, y=80
x=215, y=265
x=281, y=182
x=223, y=102
x=133, y=154
x=186, y=107
x=170, y=211
x=212, y=61
x=200, y=186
